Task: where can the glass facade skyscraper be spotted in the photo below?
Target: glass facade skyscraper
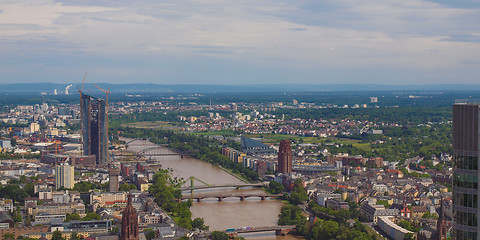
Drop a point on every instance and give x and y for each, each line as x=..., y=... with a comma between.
x=465, y=145
x=94, y=128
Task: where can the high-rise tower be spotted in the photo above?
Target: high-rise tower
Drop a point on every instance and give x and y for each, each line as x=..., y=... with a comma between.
x=94, y=128
x=64, y=176
x=285, y=157
x=466, y=151
x=129, y=222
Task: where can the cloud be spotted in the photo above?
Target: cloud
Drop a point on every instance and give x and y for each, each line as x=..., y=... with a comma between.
x=306, y=35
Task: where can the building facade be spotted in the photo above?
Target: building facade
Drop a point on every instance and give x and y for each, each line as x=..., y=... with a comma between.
x=94, y=128
x=129, y=222
x=465, y=146
x=113, y=174
x=64, y=176
x=285, y=157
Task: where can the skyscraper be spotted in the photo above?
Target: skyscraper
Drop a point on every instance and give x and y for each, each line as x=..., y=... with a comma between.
x=285, y=157
x=94, y=128
x=466, y=151
x=129, y=222
x=64, y=176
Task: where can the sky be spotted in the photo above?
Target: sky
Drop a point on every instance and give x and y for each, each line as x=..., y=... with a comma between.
x=241, y=42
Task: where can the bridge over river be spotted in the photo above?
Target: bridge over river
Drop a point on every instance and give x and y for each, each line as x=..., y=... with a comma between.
x=256, y=185
x=279, y=230
x=221, y=196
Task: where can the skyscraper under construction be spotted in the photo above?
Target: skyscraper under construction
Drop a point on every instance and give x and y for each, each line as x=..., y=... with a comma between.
x=94, y=128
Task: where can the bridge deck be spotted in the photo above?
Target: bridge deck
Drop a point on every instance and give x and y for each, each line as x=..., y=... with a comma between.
x=223, y=186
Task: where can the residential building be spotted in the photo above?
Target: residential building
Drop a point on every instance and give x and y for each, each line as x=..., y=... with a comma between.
x=64, y=176
x=6, y=205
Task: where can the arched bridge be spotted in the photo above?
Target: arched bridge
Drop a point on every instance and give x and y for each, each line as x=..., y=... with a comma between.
x=156, y=151
x=279, y=230
x=220, y=196
x=257, y=185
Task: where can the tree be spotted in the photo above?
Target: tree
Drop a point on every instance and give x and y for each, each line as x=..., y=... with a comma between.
x=125, y=187
x=57, y=235
x=298, y=194
x=9, y=236
x=409, y=236
x=150, y=235
x=217, y=235
x=199, y=223
x=73, y=216
x=275, y=187
x=75, y=236
x=13, y=142
x=92, y=216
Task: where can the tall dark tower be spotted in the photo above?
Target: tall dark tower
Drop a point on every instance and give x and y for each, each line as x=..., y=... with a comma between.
x=466, y=151
x=285, y=157
x=94, y=128
x=129, y=222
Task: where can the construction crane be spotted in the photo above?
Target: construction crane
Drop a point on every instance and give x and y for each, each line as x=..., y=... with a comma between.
x=106, y=92
x=83, y=83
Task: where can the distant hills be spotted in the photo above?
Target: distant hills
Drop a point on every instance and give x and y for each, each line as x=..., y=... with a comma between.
x=49, y=88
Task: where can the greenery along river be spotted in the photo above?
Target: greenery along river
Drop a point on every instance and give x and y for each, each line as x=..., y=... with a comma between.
x=230, y=213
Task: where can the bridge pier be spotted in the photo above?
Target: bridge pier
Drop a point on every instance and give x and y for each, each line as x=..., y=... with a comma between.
x=199, y=199
x=242, y=198
x=263, y=197
x=220, y=199
x=283, y=231
x=232, y=235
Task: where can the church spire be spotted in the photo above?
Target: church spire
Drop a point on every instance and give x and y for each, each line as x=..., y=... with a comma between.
x=129, y=221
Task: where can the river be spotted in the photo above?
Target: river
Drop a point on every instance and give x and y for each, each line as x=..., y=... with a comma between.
x=229, y=213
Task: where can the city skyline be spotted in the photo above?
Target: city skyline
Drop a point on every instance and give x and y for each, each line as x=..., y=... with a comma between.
x=218, y=42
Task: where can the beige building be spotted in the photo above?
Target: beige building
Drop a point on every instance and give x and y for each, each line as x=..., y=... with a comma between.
x=64, y=176
x=56, y=208
x=101, y=199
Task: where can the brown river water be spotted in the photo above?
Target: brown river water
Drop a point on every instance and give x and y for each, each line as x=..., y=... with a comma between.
x=229, y=213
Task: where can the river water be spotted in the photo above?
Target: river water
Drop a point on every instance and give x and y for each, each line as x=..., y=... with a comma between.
x=229, y=213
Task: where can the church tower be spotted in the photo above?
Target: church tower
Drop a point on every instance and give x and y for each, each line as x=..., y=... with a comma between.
x=129, y=222
x=441, y=223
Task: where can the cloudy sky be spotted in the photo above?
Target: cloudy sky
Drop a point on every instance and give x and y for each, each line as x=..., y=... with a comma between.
x=240, y=41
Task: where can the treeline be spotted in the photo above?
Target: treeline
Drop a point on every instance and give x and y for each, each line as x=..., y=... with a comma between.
x=202, y=148
x=399, y=143
x=328, y=224
x=400, y=115
x=18, y=189
x=166, y=191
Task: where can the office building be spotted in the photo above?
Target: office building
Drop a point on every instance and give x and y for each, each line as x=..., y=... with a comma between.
x=64, y=174
x=465, y=146
x=285, y=157
x=94, y=128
